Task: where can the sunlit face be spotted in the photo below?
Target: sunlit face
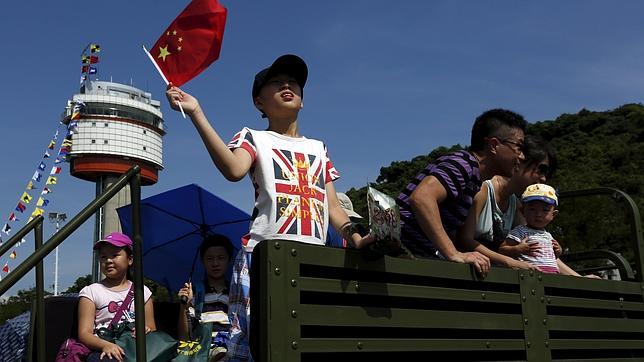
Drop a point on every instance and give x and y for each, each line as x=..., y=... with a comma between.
x=114, y=261
x=508, y=151
x=538, y=214
x=281, y=96
x=215, y=261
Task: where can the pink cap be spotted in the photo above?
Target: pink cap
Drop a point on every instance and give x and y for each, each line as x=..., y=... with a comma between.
x=116, y=239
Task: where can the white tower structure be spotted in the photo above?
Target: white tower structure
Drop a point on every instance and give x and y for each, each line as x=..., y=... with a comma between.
x=120, y=126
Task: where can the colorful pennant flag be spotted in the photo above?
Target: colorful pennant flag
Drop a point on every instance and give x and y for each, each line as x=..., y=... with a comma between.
x=5, y=268
x=52, y=144
x=55, y=170
x=21, y=207
x=30, y=185
x=51, y=180
x=89, y=69
x=6, y=228
x=13, y=217
x=26, y=198
x=76, y=111
x=94, y=48
x=13, y=255
x=66, y=143
x=192, y=41
x=46, y=155
x=42, y=166
x=45, y=191
x=42, y=202
x=37, y=211
x=36, y=177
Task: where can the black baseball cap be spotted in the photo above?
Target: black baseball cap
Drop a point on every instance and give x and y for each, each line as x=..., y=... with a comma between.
x=288, y=64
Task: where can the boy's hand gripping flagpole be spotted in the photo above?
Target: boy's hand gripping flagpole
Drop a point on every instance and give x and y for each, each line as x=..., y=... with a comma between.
x=156, y=66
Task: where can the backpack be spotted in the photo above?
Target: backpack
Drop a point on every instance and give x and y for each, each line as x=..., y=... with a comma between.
x=72, y=351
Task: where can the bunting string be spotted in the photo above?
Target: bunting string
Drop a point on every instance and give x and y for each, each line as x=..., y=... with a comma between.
x=40, y=186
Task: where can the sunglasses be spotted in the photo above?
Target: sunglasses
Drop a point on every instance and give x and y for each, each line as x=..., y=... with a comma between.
x=544, y=170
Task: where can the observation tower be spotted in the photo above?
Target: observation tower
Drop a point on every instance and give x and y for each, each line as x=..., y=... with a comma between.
x=119, y=126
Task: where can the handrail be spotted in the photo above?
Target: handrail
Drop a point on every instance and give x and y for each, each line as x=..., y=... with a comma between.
x=139, y=304
x=636, y=223
x=131, y=177
x=40, y=295
x=20, y=234
x=621, y=264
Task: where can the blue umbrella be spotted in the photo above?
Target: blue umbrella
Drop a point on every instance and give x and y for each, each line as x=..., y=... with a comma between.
x=173, y=223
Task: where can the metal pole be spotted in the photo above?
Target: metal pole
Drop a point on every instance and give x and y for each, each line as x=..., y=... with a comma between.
x=56, y=217
x=40, y=298
x=56, y=271
x=139, y=304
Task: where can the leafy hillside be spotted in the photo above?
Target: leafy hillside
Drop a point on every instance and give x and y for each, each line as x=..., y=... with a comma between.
x=594, y=149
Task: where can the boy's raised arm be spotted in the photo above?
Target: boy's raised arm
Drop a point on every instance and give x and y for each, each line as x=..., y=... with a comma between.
x=234, y=165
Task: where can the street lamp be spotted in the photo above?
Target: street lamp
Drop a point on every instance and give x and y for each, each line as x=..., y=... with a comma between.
x=58, y=218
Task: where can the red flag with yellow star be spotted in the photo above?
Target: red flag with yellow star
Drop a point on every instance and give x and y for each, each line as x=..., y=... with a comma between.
x=192, y=42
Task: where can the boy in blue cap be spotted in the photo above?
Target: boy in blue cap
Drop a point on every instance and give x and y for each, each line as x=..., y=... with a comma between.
x=292, y=175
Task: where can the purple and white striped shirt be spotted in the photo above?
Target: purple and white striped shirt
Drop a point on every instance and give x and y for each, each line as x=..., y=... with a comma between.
x=459, y=174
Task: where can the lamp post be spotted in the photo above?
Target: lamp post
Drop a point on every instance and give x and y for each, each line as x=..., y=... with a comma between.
x=58, y=218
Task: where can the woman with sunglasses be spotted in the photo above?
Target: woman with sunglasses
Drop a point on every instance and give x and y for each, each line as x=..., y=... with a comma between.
x=494, y=211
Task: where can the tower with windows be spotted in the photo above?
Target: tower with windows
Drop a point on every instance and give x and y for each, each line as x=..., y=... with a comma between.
x=119, y=126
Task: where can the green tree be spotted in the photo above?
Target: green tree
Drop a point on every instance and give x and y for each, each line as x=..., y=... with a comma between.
x=79, y=284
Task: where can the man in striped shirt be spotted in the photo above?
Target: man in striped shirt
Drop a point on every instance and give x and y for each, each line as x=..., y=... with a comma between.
x=435, y=204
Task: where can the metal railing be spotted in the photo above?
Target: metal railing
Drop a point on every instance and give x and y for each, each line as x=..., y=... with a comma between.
x=131, y=177
x=636, y=220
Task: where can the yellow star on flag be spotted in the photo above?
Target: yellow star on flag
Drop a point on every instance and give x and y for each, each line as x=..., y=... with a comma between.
x=163, y=52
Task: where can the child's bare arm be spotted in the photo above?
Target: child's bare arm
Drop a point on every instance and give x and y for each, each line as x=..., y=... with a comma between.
x=86, y=315
x=515, y=249
x=340, y=221
x=182, y=328
x=234, y=165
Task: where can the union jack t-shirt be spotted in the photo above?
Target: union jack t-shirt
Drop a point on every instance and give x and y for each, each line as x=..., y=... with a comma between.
x=289, y=176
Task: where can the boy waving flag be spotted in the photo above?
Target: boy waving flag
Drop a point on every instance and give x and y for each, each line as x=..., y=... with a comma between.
x=191, y=43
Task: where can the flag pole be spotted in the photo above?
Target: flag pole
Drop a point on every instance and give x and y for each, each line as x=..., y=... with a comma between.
x=156, y=66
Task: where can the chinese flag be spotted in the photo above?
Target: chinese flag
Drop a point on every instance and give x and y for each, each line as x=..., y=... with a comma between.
x=192, y=42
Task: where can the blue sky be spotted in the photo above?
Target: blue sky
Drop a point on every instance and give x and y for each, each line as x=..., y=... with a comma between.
x=387, y=81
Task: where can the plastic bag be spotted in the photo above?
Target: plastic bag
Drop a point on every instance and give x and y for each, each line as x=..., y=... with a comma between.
x=384, y=221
